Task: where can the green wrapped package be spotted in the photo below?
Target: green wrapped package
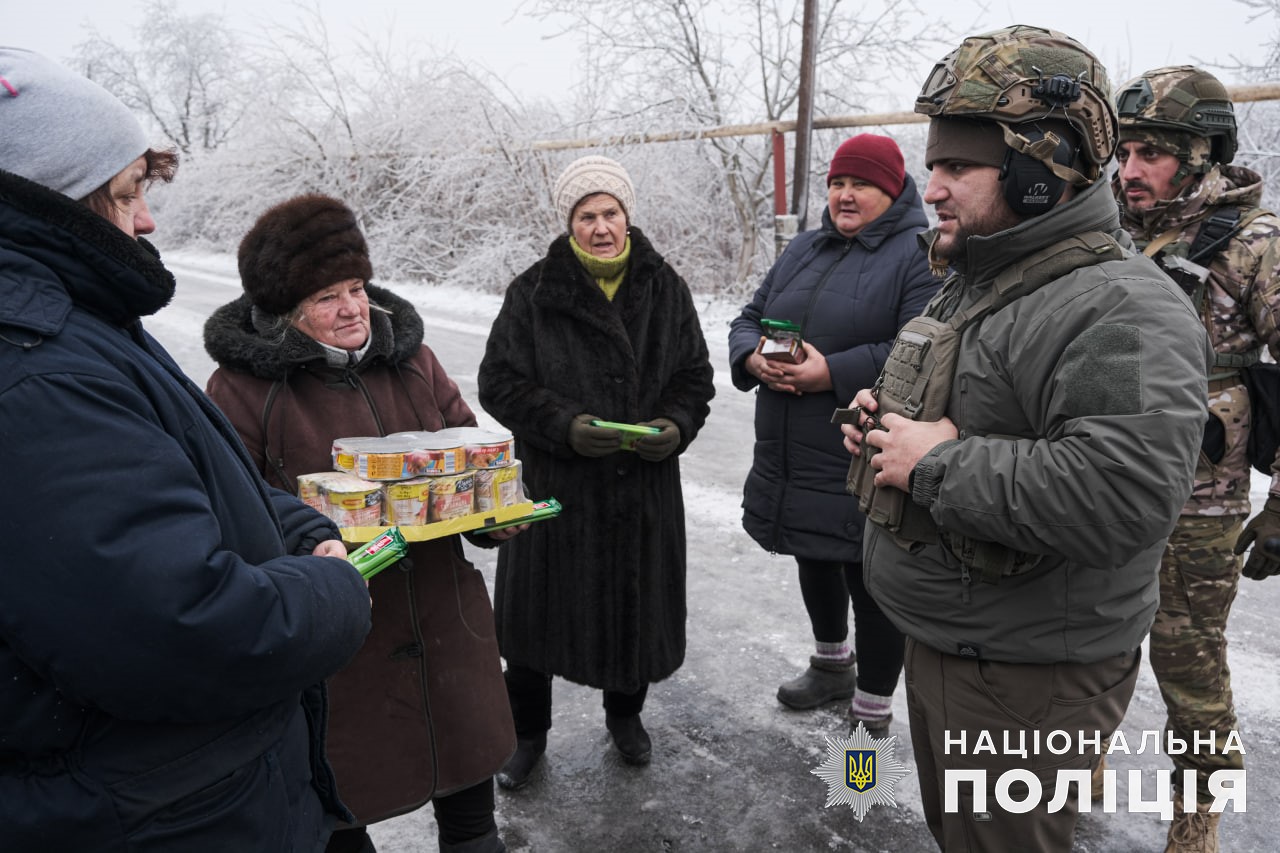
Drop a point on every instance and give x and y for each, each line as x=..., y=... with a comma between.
x=379, y=552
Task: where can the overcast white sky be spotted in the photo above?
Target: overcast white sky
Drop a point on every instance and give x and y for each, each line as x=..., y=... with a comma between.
x=1128, y=36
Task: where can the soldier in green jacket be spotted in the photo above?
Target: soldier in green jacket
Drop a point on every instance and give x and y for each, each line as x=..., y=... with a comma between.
x=1017, y=518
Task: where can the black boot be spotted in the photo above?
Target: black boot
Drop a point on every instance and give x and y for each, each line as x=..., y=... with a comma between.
x=630, y=738
x=824, y=681
x=487, y=843
x=352, y=839
x=515, y=773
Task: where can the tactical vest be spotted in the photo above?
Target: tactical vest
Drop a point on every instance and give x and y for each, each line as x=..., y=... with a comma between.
x=1192, y=273
x=916, y=384
x=1261, y=378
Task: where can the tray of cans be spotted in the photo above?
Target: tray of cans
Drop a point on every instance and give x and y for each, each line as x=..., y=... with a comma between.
x=428, y=484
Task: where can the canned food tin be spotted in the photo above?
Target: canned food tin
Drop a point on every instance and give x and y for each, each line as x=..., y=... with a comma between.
x=487, y=449
x=452, y=496
x=498, y=487
x=346, y=499
x=407, y=502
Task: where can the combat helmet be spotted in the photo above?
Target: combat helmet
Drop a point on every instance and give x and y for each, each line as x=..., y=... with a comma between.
x=1023, y=74
x=1179, y=102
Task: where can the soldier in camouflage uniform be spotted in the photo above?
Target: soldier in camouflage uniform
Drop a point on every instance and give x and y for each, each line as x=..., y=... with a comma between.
x=1177, y=139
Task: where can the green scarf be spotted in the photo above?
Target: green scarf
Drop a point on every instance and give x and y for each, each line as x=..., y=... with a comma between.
x=608, y=272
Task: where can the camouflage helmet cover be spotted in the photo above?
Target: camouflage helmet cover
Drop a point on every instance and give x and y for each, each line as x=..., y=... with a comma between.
x=1023, y=74
x=1179, y=102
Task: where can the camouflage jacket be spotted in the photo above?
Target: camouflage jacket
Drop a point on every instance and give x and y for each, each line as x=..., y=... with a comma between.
x=1240, y=309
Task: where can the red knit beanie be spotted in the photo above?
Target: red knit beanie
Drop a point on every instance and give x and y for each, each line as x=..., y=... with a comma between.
x=874, y=159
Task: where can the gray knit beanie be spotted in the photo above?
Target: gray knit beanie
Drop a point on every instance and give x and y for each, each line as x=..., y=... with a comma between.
x=587, y=176
x=60, y=129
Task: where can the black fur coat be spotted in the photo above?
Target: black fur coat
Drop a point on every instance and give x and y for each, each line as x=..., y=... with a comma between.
x=597, y=595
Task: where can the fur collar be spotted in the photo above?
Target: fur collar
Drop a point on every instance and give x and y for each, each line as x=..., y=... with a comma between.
x=236, y=342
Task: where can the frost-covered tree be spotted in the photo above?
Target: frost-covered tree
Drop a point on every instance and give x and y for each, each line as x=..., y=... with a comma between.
x=1259, y=122
x=424, y=148
x=687, y=64
x=451, y=172
x=187, y=75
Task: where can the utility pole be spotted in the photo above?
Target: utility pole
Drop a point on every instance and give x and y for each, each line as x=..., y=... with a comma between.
x=804, y=114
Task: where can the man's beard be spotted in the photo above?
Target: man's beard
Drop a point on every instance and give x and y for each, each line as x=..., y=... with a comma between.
x=992, y=221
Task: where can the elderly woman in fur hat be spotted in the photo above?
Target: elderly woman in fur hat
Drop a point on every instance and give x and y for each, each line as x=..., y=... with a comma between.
x=421, y=713
x=601, y=328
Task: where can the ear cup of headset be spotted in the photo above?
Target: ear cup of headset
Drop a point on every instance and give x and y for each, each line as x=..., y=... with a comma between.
x=1030, y=187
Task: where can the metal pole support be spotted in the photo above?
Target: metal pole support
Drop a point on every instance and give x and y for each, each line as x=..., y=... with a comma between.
x=785, y=227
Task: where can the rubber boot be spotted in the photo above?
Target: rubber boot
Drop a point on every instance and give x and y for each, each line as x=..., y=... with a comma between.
x=824, y=681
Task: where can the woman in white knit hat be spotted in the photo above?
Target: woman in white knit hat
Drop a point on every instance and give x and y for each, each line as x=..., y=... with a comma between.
x=166, y=619
x=600, y=329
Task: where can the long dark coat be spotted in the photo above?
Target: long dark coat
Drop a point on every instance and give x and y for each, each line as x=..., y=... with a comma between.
x=597, y=595
x=163, y=629
x=422, y=710
x=850, y=296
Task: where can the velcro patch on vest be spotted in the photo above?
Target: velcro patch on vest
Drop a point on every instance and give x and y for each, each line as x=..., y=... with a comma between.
x=1102, y=371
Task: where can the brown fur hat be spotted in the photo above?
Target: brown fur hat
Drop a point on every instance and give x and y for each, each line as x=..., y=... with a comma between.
x=298, y=247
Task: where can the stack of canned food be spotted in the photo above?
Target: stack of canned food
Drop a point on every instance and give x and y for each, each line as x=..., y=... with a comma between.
x=414, y=478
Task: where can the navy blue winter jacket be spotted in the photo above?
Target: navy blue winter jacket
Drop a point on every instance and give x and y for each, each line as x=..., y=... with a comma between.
x=850, y=297
x=161, y=640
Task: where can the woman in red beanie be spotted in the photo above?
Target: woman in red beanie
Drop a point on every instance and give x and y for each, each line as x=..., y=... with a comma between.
x=848, y=286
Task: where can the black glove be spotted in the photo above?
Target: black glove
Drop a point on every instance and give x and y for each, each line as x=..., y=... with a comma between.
x=591, y=440
x=660, y=445
x=1263, y=532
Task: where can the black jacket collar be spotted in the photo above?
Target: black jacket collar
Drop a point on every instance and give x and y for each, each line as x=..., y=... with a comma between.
x=56, y=253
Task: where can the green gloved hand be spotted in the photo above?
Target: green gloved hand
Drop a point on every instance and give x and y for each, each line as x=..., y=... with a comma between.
x=660, y=445
x=594, y=441
x=1263, y=532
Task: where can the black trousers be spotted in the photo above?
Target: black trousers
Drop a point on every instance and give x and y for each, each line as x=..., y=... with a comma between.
x=827, y=588
x=460, y=816
x=530, y=695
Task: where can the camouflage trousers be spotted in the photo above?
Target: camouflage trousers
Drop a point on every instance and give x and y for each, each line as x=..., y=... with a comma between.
x=1198, y=580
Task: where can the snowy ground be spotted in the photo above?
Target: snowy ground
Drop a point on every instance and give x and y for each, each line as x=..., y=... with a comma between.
x=732, y=768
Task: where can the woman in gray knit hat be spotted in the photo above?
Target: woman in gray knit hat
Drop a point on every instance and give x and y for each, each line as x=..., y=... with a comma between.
x=313, y=352
x=166, y=618
x=601, y=329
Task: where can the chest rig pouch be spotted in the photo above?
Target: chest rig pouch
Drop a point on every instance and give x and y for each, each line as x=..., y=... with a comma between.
x=916, y=384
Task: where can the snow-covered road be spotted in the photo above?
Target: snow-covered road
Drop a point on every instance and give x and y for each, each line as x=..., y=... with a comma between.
x=731, y=767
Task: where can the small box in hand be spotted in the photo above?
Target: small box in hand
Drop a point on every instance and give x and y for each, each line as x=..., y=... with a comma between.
x=782, y=341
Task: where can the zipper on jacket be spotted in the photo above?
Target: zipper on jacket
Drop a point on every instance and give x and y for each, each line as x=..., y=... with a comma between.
x=783, y=481
x=822, y=283
x=786, y=419
x=368, y=399
x=428, y=719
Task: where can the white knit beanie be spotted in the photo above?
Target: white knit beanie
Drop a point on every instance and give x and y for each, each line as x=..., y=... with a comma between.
x=60, y=129
x=588, y=175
